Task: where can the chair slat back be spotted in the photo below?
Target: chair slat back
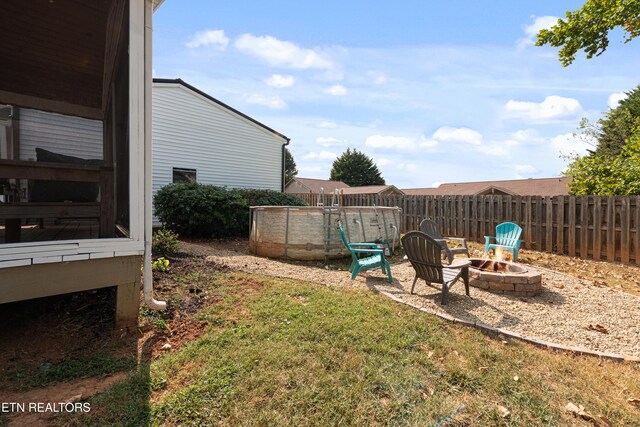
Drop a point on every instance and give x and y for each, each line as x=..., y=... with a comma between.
x=430, y=228
x=508, y=233
x=344, y=240
x=424, y=255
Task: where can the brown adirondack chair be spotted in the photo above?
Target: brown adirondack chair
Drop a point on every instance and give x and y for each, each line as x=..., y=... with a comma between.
x=430, y=228
x=424, y=254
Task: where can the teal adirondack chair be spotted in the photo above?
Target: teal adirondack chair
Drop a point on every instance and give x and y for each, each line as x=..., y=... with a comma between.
x=507, y=235
x=374, y=259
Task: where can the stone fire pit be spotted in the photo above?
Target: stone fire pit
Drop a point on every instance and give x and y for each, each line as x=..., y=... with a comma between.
x=502, y=277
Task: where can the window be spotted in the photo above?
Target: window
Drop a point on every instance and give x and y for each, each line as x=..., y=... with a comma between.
x=184, y=175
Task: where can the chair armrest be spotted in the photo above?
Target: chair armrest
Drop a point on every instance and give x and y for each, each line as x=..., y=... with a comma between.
x=459, y=239
x=364, y=245
x=459, y=263
x=367, y=251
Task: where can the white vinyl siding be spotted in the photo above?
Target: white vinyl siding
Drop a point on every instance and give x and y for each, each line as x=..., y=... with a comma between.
x=68, y=135
x=192, y=132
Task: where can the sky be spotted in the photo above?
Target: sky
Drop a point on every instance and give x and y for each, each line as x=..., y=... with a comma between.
x=433, y=92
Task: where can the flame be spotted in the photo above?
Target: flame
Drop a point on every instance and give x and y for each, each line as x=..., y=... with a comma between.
x=498, y=255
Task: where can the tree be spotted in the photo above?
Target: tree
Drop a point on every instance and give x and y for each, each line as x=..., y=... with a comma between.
x=613, y=130
x=588, y=28
x=290, y=169
x=356, y=169
x=606, y=174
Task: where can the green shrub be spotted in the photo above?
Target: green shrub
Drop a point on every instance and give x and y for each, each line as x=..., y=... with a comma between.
x=201, y=210
x=165, y=243
x=270, y=198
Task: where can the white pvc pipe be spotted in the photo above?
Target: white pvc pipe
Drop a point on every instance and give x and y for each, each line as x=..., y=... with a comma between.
x=147, y=282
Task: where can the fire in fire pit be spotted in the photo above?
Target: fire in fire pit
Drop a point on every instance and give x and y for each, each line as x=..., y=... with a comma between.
x=504, y=277
x=496, y=266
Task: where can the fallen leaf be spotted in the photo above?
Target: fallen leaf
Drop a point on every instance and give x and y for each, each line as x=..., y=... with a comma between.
x=634, y=401
x=579, y=410
x=430, y=354
x=597, y=328
x=504, y=412
x=482, y=368
x=167, y=346
x=559, y=286
x=516, y=378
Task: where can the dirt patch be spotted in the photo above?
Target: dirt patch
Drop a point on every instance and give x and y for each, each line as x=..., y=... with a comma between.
x=45, y=334
x=52, y=329
x=67, y=392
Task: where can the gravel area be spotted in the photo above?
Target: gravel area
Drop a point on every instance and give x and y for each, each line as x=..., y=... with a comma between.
x=568, y=311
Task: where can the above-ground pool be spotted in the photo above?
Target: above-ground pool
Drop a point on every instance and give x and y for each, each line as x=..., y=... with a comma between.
x=311, y=233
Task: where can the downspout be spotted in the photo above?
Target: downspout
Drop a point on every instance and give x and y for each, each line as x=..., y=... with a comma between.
x=147, y=283
x=284, y=158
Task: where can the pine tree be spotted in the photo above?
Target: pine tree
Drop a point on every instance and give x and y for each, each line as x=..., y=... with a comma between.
x=356, y=169
x=290, y=169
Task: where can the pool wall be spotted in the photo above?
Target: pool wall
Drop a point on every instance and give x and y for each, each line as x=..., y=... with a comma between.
x=310, y=232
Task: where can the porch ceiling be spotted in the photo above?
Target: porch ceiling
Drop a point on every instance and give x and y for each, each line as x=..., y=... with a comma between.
x=53, y=50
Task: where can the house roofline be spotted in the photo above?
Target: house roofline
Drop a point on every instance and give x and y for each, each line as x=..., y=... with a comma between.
x=222, y=104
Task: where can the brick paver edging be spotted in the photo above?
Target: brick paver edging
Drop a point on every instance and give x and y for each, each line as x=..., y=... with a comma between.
x=495, y=332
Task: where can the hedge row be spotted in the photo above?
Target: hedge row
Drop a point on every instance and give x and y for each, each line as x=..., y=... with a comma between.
x=200, y=210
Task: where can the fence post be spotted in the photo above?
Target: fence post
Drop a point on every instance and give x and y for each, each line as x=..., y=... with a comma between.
x=584, y=227
x=611, y=229
x=549, y=225
x=560, y=226
x=625, y=229
x=636, y=221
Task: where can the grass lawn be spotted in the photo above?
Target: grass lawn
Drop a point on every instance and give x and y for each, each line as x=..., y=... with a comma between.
x=281, y=352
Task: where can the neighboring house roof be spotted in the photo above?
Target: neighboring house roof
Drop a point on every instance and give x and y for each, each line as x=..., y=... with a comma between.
x=372, y=189
x=517, y=187
x=211, y=98
x=314, y=185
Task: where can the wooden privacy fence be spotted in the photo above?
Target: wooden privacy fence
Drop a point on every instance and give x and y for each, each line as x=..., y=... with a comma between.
x=597, y=227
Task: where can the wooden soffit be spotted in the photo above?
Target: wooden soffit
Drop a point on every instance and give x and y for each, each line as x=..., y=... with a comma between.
x=53, y=54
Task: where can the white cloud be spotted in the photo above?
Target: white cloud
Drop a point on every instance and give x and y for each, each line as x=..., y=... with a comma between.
x=526, y=169
x=387, y=163
x=323, y=155
x=457, y=135
x=570, y=144
x=327, y=125
x=552, y=108
x=391, y=142
x=274, y=102
x=280, y=81
x=499, y=150
x=436, y=184
x=615, y=98
x=531, y=30
x=336, y=90
x=279, y=53
x=525, y=137
x=428, y=142
x=213, y=38
x=328, y=142
x=377, y=77
x=383, y=161
x=312, y=171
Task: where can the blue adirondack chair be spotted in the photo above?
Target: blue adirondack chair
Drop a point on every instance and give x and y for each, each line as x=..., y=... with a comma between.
x=374, y=259
x=507, y=235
